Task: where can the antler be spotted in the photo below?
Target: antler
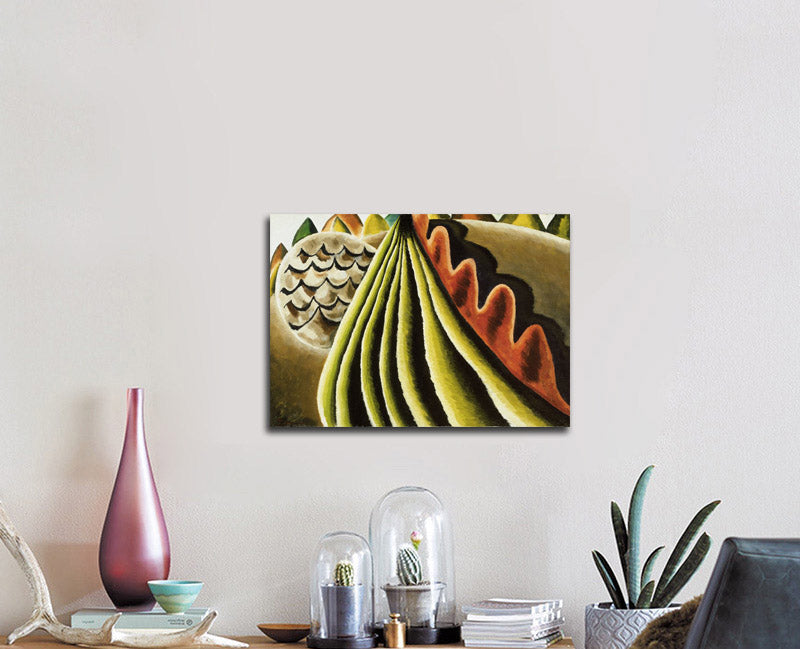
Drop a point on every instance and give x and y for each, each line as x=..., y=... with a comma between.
x=44, y=618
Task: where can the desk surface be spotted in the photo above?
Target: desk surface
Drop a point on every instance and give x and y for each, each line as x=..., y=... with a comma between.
x=263, y=642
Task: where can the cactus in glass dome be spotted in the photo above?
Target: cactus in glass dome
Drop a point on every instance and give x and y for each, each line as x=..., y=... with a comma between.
x=409, y=564
x=643, y=591
x=414, y=598
x=343, y=574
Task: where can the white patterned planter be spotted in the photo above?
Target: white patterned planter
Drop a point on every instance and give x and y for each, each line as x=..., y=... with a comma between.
x=617, y=628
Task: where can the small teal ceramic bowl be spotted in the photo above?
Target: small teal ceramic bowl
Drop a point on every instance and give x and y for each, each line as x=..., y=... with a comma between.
x=175, y=595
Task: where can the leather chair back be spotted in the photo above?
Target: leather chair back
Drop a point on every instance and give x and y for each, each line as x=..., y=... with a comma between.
x=753, y=597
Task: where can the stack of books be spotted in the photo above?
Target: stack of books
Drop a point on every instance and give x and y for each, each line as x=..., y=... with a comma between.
x=514, y=623
x=155, y=621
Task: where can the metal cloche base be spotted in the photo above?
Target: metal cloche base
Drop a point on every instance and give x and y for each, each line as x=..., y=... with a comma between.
x=427, y=636
x=342, y=643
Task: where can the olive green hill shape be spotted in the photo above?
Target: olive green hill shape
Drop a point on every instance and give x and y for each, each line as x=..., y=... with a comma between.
x=404, y=355
x=532, y=221
x=559, y=226
x=306, y=228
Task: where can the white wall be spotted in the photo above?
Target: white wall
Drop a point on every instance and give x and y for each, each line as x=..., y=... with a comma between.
x=141, y=147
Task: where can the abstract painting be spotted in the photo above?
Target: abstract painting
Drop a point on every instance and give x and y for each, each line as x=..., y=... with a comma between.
x=419, y=320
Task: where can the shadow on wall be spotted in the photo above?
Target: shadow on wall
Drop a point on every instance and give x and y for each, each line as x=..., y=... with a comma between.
x=72, y=574
x=88, y=464
x=71, y=569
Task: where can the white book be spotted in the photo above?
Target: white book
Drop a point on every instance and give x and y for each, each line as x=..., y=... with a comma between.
x=156, y=620
x=516, y=644
x=539, y=618
x=512, y=632
x=500, y=606
x=500, y=621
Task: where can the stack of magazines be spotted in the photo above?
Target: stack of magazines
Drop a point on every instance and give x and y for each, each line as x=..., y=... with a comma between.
x=527, y=624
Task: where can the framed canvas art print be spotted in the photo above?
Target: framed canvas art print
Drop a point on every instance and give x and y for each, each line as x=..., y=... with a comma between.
x=419, y=320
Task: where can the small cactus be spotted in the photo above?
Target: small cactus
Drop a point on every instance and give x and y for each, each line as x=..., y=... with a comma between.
x=409, y=565
x=343, y=574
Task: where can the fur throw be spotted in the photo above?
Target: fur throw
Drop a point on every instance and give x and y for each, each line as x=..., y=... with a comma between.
x=668, y=631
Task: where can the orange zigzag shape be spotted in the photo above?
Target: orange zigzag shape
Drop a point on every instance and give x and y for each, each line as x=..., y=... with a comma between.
x=529, y=358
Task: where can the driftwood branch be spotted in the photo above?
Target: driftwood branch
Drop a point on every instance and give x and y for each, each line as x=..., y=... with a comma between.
x=44, y=618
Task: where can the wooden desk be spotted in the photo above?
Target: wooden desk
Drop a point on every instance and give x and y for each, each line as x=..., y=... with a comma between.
x=260, y=641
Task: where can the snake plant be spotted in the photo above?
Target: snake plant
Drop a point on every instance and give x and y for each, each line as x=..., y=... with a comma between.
x=641, y=589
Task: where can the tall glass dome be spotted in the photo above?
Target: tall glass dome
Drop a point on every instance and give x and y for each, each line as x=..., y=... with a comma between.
x=412, y=545
x=341, y=593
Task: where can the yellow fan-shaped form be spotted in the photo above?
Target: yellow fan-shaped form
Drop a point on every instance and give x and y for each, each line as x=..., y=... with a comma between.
x=374, y=224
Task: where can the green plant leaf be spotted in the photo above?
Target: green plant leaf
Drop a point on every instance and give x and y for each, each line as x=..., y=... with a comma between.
x=633, y=574
x=609, y=579
x=621, y=534
x=684, y=573
x=682, y=547
x=647, y=570
x=646, y=595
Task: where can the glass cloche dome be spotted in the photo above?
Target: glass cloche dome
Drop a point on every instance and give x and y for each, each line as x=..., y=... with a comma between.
x=341, y=593
x=412, y=545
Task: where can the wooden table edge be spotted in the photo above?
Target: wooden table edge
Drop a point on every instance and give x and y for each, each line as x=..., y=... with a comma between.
x=47, y=642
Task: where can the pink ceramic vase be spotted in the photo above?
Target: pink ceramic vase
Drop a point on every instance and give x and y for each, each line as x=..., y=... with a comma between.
x=134, y=546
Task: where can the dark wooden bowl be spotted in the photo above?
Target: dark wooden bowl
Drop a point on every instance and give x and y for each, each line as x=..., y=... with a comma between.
x=285, y=632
